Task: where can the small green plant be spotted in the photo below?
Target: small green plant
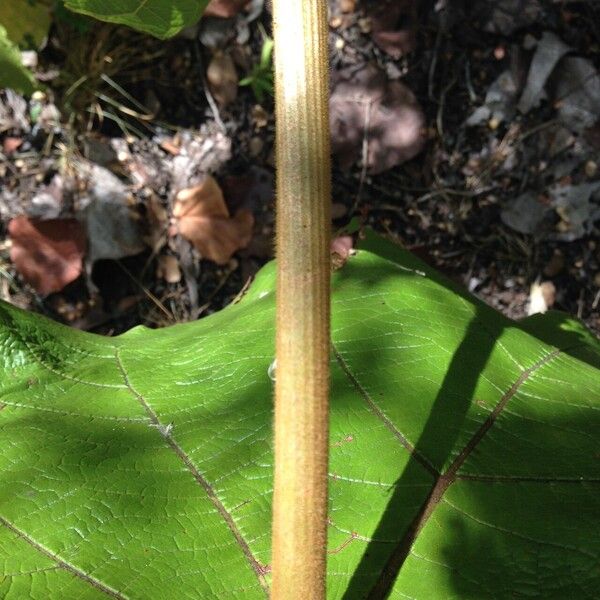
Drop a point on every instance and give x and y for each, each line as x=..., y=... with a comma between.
x=260, y=78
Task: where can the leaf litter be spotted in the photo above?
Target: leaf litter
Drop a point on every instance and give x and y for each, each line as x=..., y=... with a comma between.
x=380, y=117
x=48, y=254
x=202, y=217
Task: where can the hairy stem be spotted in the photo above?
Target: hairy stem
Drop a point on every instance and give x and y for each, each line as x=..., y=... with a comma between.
x=302, y=375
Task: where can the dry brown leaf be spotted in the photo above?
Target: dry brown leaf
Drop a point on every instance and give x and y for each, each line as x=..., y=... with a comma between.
x=224, y=8
x=364, y=106
x=201, y=216
x=48, y=254
x=222, y=78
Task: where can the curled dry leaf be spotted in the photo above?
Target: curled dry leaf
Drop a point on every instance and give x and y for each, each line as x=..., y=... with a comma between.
x=365, y=107
x=111, y=218
x=550, y=49
x=48, y=254
x=201, y=216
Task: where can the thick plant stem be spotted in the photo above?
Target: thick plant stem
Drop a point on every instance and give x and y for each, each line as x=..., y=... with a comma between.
x=302, y=373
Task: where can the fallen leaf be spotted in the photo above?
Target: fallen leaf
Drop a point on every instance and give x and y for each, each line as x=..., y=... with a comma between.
x=224, y=8
x=223, y=79
x=201, y=216
x=576, y=85
x=48, y=254
x=526, y=213
x=499, y=103
x=549, y=51
x=574, y=205
x=254, y=190
x=393, y=26
x=365, y=107
x=113, y=226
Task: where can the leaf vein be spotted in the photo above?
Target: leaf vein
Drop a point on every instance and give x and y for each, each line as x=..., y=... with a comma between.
x=63, y=564
x=256, y=567
x=422, y=460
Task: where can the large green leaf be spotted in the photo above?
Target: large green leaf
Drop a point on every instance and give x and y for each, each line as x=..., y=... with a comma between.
x=464, y=454
x=12, y=72
x=161, y=18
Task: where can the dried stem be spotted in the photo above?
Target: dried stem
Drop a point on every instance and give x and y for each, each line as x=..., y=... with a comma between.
x=302, y=375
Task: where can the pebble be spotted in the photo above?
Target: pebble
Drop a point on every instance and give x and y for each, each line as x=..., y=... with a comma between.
x=591, y=168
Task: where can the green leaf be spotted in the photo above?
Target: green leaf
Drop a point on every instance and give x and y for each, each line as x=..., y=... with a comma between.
x=464, y=456
x=26, y=21
x=12, y=72
x=266, y=54
x=160, y=18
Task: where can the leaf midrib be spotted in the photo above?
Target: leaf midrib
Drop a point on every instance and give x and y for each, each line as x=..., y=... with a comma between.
x=255, y=565
x=61, y=563
x=384, y=582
